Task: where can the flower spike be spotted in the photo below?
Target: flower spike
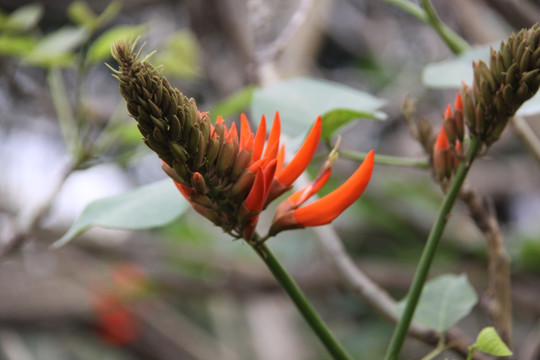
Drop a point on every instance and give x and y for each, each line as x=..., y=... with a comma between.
x=228, y=174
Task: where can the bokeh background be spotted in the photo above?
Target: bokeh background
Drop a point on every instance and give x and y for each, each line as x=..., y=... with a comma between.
x=186, y=291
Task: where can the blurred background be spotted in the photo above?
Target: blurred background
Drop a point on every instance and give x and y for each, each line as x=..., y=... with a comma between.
x=186, y=291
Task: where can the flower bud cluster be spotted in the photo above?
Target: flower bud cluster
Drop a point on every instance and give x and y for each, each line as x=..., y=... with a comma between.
x=512, y=77
x=447, y=149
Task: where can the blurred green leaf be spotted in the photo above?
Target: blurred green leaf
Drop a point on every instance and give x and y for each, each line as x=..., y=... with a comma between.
x=233, y=104
x=529, y=253
x=335, y=119
x=449, y=74
x=300, y=100
x=489, y=342
x=180, y=56
x=147, y=207
x=444, y=301
x=101, y=48
x=80, y=13
x=109, y=13
x=56, y=49
x=16, y=45
x=23, y=19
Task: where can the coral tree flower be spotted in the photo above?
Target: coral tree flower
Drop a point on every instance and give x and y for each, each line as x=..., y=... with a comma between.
x=228, y=176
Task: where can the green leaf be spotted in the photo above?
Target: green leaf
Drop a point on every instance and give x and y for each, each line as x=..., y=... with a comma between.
x=335, y=119
x=448, y=74
x=101, y=48
x=56, y=49
x=444, y=301
x=23, y=19
x=233, y=104
x=180, y=56
x=109, y=13
x=16, y=45
x=300, y=100
x=147, y=207
x=80, y=13
x=489, y=342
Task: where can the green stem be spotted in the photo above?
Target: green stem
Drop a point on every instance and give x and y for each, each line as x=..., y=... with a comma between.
x=421, y=163
x=471, y=352
x=428, y=15
x=302, y=303
x=430, y=248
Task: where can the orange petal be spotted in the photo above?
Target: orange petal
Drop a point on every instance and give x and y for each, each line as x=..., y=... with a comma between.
x=245, y=131
x=280, y=159
x=299, y=197
x=442, y=141
x=302, y=158
x=269, y=172
x=273, y=138
x=232, y=136
x=258, y=144
x=327, y=208
x=185, y=190
x=257, y=192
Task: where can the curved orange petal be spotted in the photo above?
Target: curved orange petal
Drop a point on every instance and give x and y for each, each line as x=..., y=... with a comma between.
x=327, y=208
x=256, y=194
x=302, y=158
x=258, y=144
x=273, y=138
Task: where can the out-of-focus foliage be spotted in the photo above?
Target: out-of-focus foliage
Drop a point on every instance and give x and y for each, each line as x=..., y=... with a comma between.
x=146, y=207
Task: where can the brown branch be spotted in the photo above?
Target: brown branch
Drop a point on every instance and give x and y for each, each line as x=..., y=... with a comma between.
x=526, y=135
x=28, y=223
x=499, y=304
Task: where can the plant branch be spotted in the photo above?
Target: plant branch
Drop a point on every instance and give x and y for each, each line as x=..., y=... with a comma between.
x=301, y=302
x=29, y=223
x=499, y=288
x=428, y=15
x=428, y=254
x=420, y=162
x=526, y=135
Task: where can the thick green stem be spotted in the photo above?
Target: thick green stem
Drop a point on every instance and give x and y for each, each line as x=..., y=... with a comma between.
x=428, y=254
x=302, y=303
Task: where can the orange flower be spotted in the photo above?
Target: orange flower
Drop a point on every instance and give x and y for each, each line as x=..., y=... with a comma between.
x=246, y=174
x=323, y=211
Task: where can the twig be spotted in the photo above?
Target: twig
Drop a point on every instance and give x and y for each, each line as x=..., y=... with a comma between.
x=28, y=223
x=273, y=50
x=427, y=15
x=499, y=288
x=526, y=135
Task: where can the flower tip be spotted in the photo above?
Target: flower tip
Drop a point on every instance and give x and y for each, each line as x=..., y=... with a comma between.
x=442, y=141
x=448, y=112
x=458, y=105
